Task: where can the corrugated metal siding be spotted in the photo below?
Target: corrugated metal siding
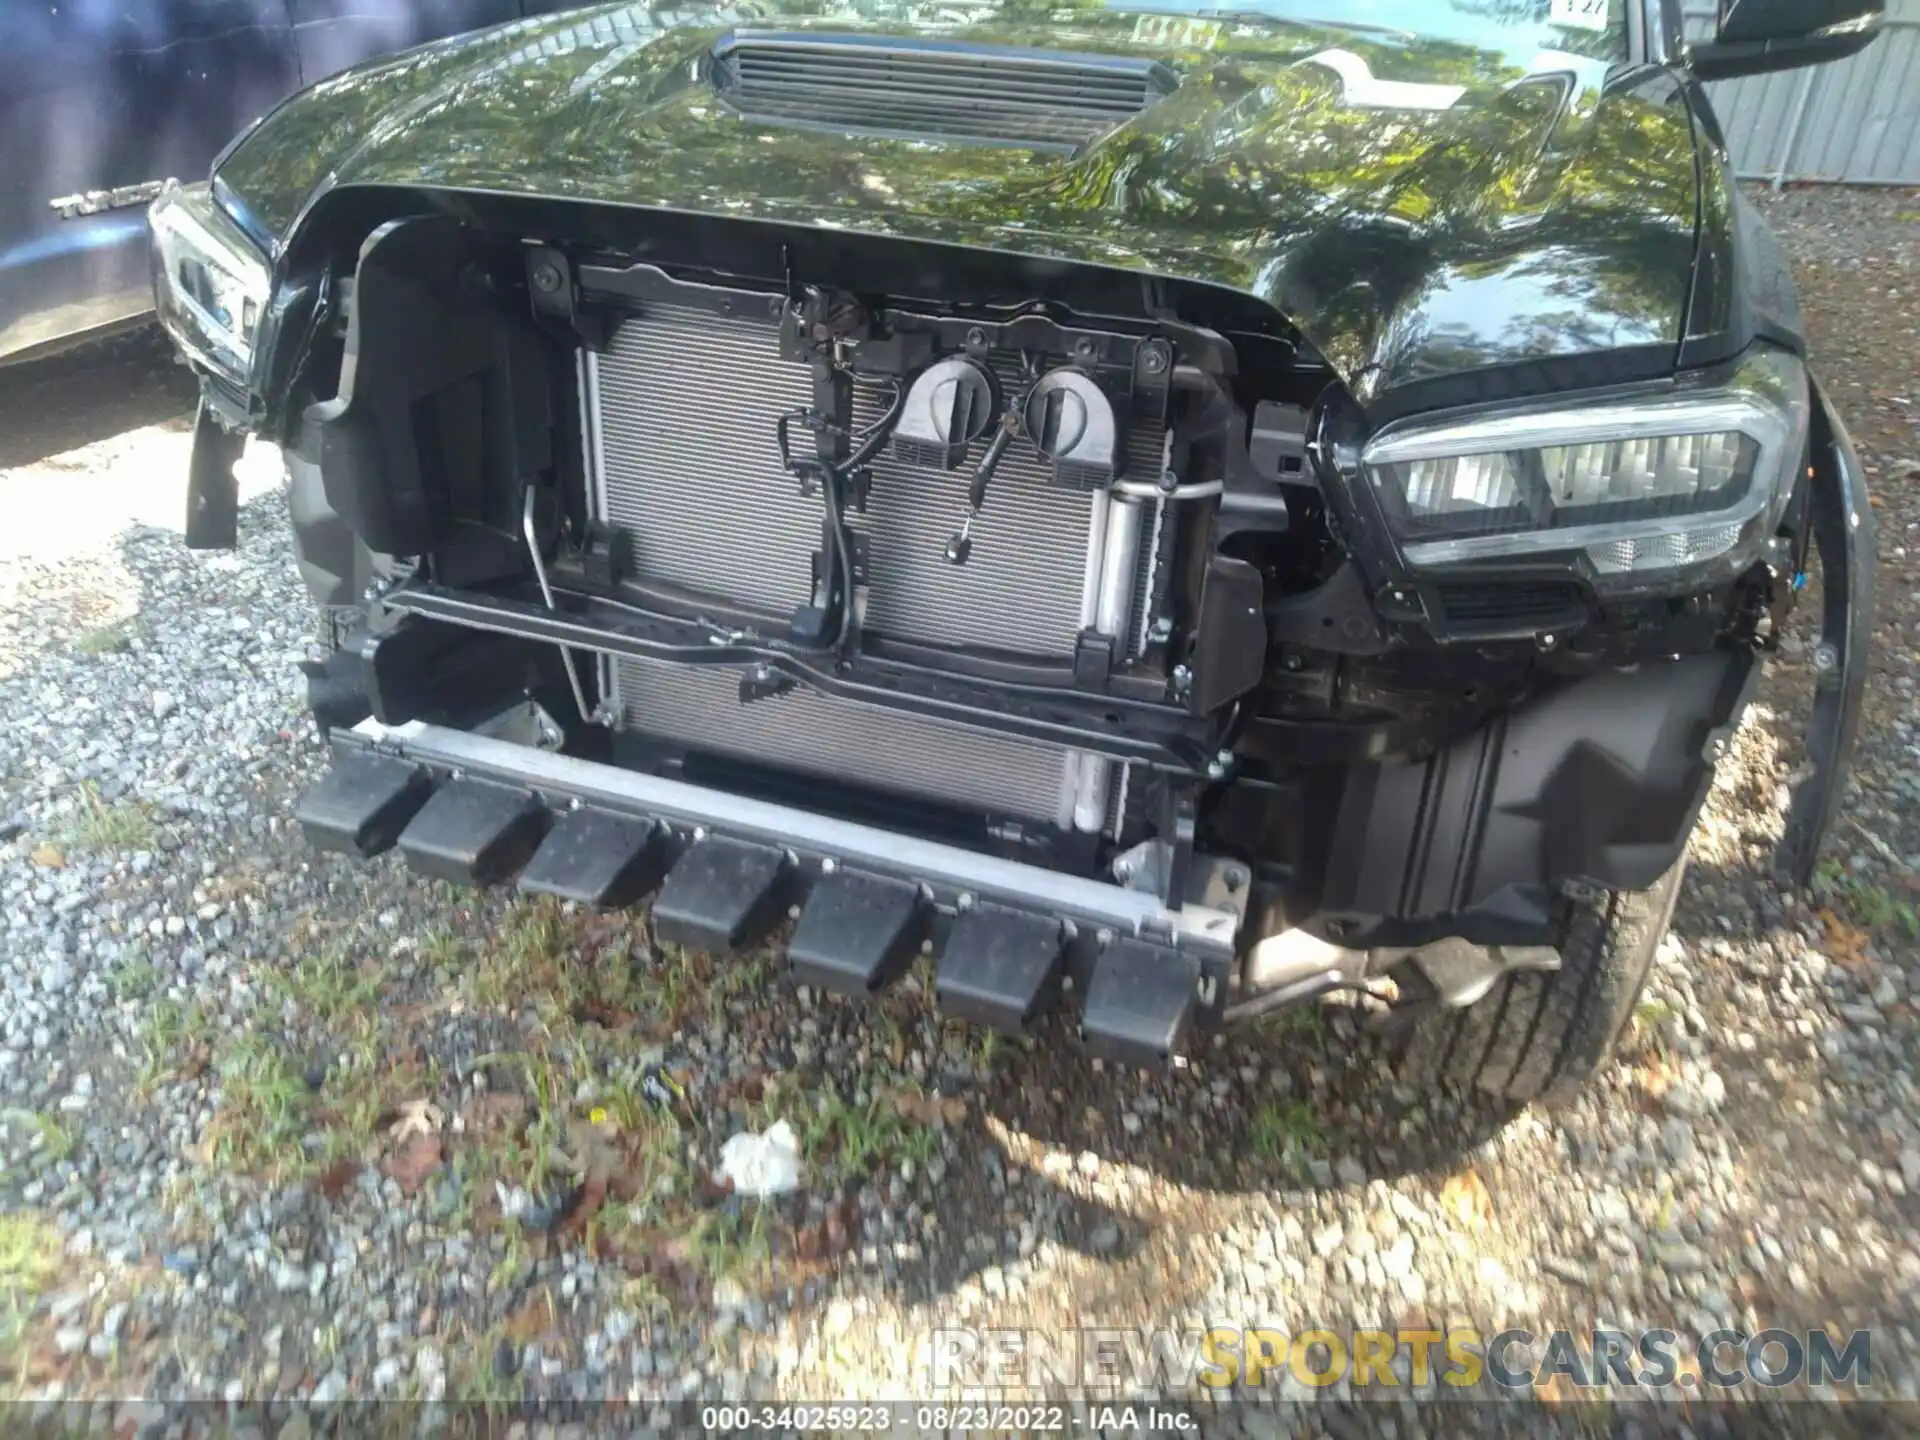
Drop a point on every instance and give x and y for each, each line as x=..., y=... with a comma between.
x=1856, y=122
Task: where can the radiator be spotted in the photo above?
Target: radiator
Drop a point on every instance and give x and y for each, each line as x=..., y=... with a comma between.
x=681, y=407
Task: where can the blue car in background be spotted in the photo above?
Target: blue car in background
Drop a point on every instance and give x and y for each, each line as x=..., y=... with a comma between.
x=102, y=100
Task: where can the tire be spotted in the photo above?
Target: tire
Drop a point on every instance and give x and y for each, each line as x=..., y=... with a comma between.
x=1542, y=1036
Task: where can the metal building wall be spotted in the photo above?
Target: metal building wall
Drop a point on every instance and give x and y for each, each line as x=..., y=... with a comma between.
x=1856, y=122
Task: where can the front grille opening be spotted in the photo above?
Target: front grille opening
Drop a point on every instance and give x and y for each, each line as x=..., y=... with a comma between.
x=1501, y=606
x=934, y=89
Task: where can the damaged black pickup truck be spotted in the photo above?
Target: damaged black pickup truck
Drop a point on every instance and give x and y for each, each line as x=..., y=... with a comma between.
x=1168, y=514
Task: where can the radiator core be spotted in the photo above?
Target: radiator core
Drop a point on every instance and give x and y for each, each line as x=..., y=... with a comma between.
x=681, y=410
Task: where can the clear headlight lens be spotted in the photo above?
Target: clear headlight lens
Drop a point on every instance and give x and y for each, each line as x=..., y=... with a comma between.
x=210, y=283
x=1678, y=480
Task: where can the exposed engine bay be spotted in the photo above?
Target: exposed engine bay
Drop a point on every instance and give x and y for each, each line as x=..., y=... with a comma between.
x=844, y=482
x=1059, y=586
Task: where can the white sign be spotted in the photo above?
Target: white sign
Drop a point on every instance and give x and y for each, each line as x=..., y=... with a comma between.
x=1581, y=14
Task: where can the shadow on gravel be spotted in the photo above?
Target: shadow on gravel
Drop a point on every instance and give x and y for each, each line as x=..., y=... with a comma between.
x=48, y=407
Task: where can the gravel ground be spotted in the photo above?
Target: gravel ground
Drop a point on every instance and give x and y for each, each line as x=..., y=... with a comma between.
x=281, y=1127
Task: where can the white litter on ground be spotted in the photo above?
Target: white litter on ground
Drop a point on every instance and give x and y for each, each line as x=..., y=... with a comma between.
x=763, y=1164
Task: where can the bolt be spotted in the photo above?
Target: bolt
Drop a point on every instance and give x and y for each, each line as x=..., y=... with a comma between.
x=1083, y=347
x=1103, y=937
x=1826, y=657
x=1182, y=679
x=1216, y=771
x=699, y=833
x=1153, y=360
x=1547, y=642
x=829, y=865
x=964, y=900
x=546, y=277
x=1292, y=662
x=977, y=338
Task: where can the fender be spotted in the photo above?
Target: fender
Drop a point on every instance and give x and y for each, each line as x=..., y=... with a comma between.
x=1841, y=515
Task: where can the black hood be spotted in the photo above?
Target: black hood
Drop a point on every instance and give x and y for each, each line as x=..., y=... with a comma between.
x=1418, y=209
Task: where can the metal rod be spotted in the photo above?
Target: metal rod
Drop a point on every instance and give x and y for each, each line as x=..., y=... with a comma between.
x=546, y=593
x=1075, y=761
x=1148, y=490
x=1801, y=107
x=595, y=437
x=1095, y=902
x=1118, y=564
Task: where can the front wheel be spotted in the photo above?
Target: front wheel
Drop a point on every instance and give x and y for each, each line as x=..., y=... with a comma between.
x=1542, y=1035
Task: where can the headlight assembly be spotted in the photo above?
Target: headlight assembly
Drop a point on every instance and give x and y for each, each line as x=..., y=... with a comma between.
x=210, y=283
x=1644, y=489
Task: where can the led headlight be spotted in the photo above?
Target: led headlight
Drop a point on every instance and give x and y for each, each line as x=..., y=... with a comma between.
x=210, y=283
x=1679, y=480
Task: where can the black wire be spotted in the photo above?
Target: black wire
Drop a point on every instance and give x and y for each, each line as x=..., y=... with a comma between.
x=875, y=435
x=831, y=478
x=842, y=554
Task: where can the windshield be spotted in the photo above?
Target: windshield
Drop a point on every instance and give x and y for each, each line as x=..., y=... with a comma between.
x=1594, y=28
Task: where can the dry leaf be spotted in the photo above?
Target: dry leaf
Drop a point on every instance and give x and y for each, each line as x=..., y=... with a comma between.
x=1465, y=1195
x=928, y=1109
x=1846, y=943
x=584, y=1204
x=50, y=857
x=416, y=1117
x=593, y=1152
x=337, y=1176
x=414, y=1161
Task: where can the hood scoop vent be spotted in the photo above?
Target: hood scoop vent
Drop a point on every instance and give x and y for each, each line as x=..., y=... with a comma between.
x=933, y=89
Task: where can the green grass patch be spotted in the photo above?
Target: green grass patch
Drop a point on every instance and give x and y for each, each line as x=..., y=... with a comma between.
x=1868, y=904
x=1285, y=1132
x=169, y=1036
x=333, y=987
x=565, y=969
x=843, y=1139
x=733, y=1245
x=445, y=952
x=104, y=640
x=105, y=826
x=30, y=1255
x=266, y=1110
x=134, y=978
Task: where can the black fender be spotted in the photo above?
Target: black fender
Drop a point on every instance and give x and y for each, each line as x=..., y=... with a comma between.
x=1841, y=516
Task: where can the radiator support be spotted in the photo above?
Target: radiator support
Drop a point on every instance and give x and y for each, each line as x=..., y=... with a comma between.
x=679, y=412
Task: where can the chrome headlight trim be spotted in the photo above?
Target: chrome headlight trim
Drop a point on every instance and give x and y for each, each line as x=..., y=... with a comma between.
x=211, y=283
x=1765, y=405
